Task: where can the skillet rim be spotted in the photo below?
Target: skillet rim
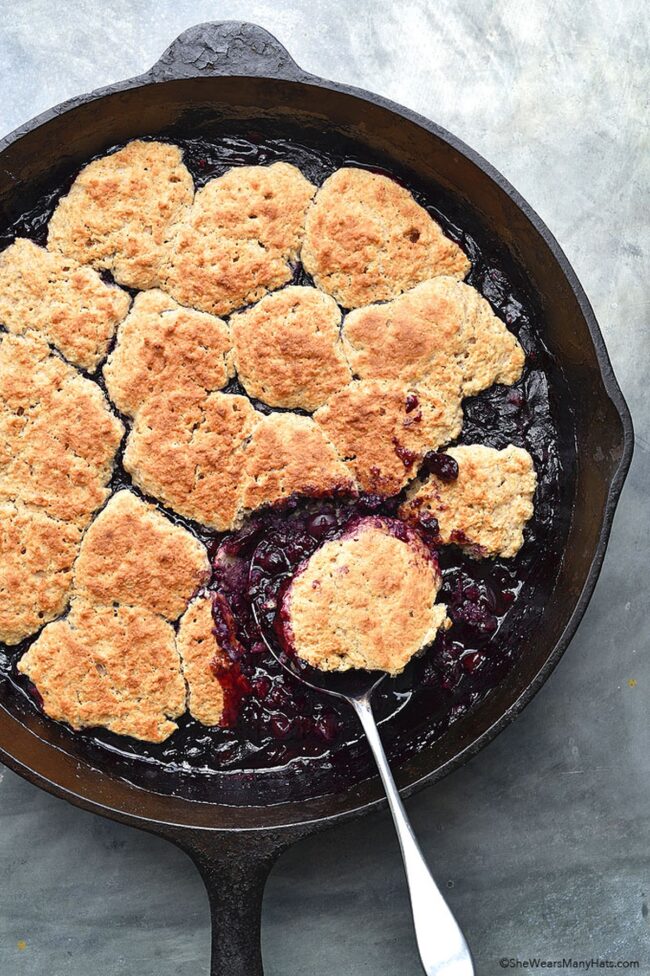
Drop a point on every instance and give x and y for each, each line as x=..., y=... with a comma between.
x=291, y=73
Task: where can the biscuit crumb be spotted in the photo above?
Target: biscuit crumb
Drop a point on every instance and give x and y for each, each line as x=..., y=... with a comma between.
x=383, y=429
x=133, y=554
x=110, y=666
x=198, y=648
x=162, y=347
x=239, y=238
x=187, y=449
x=287, y=455
x=288, y=351
x=365, y=600
x=64, y=302
x=37, y=553
x=367, y=240
x=485, y=509
x=121, y=209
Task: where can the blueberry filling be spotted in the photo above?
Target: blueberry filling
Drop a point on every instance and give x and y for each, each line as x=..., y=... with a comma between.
x=442, y=465
x=251, y=569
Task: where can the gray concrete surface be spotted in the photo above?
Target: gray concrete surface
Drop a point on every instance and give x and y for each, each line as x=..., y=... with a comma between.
x=542, y=841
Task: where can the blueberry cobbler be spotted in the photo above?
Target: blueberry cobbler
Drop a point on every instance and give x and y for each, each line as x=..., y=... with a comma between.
x=247, y=386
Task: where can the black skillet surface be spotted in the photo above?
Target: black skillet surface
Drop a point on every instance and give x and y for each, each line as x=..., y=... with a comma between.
x=216, y=77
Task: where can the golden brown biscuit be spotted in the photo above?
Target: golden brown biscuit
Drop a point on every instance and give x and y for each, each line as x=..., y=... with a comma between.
x=186, y=448
x=66, y=303
x=414, y=337
x=162, y=347
x=383, y=429
x=236, y=244
x=366, y=600
x=59, y=437
x=133, y=554
x=198, y=648
x=110, y=666
x=367, y=240
x=29, y=372
x=121, y=211
x=288, y=351
x=63, y=485
x=36, y=557
x=485, y=509
x=287, y=455
x=430, y=334
x=489, y=352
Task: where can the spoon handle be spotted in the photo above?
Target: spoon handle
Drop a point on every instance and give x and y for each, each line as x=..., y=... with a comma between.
x=441, y=944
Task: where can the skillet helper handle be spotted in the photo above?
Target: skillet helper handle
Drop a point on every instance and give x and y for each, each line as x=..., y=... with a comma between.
x=225, y=48
x=441, y=944
x=234, y=871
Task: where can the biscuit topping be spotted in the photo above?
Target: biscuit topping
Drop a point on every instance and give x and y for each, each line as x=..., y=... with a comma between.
x=441, y=332
x=163, y=348
x=64, y=302
x=187, y=449
x=364, y=600
x=367, y=240
x=199, y=649
x=485, y=507
x=382, y=429
x=115, y=666
x=290, y=455
x=239, y=238
x=288, y=351
x=37, y=553
x=133, y=554
x=121, y=211
x=58, y=436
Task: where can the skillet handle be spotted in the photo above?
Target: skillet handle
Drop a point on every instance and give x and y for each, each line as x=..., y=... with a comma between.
x=225, y=48
x=234, y=868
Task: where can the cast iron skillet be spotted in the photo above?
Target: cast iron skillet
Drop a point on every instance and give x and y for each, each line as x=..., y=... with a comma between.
x=233, y=71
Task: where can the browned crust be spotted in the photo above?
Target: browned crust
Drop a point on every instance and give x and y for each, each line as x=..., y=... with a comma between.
x=163, y=347
x=290, y=454
x=367, y=240
x=288, y=351
x=121, y=211
x=441, y=332
x=489, y=352
x=133, y=554
x=37, y=553
x=414, y=337
x=244, y=229
x=111, y=666
x=64, y=302
x=59, y=437
x=198, y=647
x=382, y=429
x=187, y=449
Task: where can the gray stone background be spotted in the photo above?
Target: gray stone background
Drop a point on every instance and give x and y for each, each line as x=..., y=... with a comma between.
x=542, y=841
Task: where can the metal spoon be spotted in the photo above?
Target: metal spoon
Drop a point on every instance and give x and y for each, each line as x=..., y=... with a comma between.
x=441, y=944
